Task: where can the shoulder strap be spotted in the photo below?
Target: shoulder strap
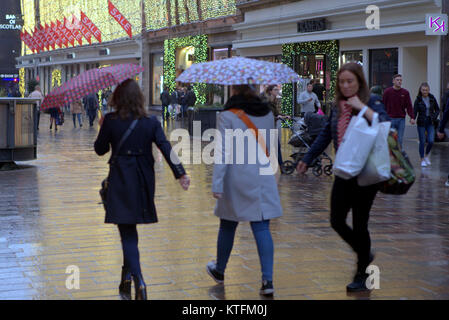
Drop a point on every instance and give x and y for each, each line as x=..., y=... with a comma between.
x=246, y=120
x=124, y=137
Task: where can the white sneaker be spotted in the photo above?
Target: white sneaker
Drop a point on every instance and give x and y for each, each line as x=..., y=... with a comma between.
x=427, y=160
x=423, y=163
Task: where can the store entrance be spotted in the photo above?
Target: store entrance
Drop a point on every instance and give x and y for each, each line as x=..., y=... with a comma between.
x=312, y=67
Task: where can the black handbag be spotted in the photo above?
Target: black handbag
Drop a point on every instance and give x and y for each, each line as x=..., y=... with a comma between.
x=105, y=183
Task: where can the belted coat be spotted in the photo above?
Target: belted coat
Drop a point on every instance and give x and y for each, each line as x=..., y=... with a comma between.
x=131, y=176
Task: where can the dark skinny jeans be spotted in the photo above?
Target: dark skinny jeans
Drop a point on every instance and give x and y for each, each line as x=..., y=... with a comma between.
x=131, y=257
x=347, y=195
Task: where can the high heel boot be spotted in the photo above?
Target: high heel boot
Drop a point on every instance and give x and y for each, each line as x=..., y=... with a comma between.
x=140, y=287
x=125, y=284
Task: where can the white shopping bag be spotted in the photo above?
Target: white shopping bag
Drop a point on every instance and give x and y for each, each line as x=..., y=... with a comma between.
x=378, y=167
x=356, y=146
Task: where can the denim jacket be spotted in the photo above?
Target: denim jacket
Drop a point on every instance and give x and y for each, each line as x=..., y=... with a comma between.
x=329, y=132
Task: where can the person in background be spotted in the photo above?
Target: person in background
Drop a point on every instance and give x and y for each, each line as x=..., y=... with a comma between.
x=77, y=109
x=191, y=96
x=92, y=107
x=270, y=96
x=377, y=90
x=426, y=110
x=242, y=192
x=54, y=115
x=130, y=198
x=397, y=102
x=308, y=99
x=443, y=124
x=37, y=94
x=352, y=95
x=165, y=99
x=319, y=90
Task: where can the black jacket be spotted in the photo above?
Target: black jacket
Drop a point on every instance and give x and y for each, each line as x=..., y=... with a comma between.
x=132, y=179
x=165, y=98
x=330, y=132
x=419, y=109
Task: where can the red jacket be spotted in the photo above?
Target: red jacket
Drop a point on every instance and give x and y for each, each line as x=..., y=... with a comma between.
x=397, y=102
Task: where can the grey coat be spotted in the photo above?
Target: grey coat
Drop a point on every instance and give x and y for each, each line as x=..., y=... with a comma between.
x=247, y=194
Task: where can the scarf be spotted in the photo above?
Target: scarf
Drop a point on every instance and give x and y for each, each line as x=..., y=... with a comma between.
x=345, y=115
x=253, y=106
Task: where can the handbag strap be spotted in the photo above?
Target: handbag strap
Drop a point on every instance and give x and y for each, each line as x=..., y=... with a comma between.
x=246, y=120
x=122, y=140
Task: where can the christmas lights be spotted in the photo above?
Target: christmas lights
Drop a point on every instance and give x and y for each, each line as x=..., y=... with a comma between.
x=329, y=48
x=55, y=78
x=199, y=42
x=22, y=82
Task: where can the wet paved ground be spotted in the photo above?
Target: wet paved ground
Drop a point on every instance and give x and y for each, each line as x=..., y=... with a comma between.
x=50, y=218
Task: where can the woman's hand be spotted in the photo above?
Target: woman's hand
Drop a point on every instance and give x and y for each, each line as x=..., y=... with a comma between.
x=184, y=181
x=301, y=167
x=355, y=103
x=217, y=195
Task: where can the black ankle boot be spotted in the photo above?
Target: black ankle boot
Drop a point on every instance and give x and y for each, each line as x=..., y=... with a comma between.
x=140, y=287
x=359, y=283
x=125, y=284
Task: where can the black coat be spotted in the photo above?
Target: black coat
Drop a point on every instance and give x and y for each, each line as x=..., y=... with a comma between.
x=165, y=98
x=131, y=179
x=419, y=109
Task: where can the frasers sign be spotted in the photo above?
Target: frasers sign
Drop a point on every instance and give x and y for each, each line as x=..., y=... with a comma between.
x=11, y=22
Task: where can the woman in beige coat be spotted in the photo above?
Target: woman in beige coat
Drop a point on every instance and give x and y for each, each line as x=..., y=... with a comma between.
x=77, y=109
x=245, y=191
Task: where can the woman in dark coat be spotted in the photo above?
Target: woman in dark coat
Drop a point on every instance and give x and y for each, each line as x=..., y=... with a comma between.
x=352, y=96
x=426, y=110
x=130, y=198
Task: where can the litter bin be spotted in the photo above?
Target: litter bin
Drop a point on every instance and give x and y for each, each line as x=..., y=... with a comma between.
x=18, y=130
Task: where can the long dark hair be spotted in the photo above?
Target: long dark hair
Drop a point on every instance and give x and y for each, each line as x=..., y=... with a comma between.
x=424, y=84
x=363, y=92
x=128, y=99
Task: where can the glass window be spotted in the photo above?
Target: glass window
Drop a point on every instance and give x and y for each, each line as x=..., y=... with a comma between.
x=158, y=78
x=383, y=66
x=351, y=56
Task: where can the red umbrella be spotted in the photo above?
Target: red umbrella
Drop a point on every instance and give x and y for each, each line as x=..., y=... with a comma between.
x=89, y=82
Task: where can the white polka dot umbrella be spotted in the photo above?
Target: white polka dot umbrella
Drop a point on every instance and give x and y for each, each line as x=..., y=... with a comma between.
x=238, y=70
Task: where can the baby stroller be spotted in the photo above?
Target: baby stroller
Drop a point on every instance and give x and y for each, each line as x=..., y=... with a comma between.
x=304, y=132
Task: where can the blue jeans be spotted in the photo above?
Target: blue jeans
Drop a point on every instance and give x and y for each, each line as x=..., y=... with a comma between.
x=430, y=129
x=261, y=232
x=74, y=115
x=399, y=125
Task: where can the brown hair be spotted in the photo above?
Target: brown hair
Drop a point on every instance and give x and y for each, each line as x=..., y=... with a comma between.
x=128, y=99
x=245, y=90
x=424, y=84
x=363, y=92
x=270, y=88
x=397, y=75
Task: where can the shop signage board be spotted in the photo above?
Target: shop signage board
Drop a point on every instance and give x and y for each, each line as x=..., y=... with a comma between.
x=312, y=25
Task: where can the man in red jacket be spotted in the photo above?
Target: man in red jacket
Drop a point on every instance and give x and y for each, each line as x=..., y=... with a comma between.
x=397, y=101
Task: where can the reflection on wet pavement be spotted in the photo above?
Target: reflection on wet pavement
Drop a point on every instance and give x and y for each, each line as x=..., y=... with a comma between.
x=50, y=218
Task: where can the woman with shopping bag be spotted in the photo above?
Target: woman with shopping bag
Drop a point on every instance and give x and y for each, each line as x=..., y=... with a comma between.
x=352, y=97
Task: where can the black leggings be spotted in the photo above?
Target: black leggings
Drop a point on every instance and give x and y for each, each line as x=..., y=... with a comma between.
x=347, y=195
x=131, y=258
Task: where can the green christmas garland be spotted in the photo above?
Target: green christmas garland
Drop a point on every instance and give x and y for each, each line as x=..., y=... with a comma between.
x=199, y=42
x=330, y=48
